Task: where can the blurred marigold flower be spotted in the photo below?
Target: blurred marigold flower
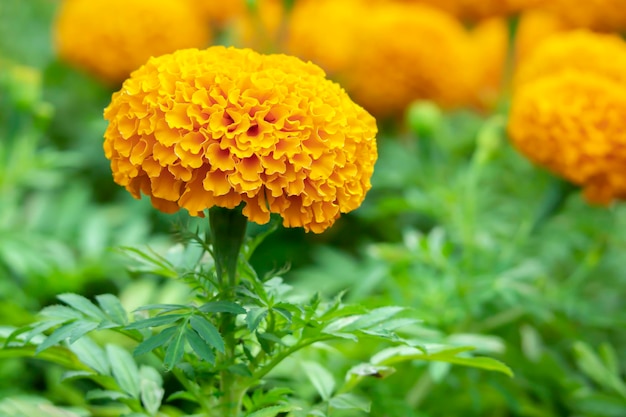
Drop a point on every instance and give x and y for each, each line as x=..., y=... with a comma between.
x=535, y=26
x=572, y=123
x=599, y=54
x=225, y=126
x=111, y=38
x=473, y=10
x=568, y=111
x=602, y=15
x=385, y=54
x=220, y=12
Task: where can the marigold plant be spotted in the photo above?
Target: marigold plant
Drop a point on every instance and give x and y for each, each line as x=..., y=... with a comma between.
x=111, y=38
x=225, y=126
x=573, y=124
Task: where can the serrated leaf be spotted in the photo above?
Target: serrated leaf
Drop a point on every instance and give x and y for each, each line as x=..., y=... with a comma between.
x=83, y=305
x=283, y=312
x=124, y=369
x=155, y=341
x=255, y=316
x=201, y=348
x=69, y=375
x=73, y=331
x=350, y=402
x=113, y=308
x=222, y=306
x=58, y=311
x=208, y=332
x=321, y=379
x=92, y=355
x=40, y=328
x=156, y=321
x=273, y=411
x=405, y=353
x=176, y=348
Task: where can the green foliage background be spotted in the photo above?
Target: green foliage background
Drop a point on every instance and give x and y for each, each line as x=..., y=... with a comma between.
x=449, y=230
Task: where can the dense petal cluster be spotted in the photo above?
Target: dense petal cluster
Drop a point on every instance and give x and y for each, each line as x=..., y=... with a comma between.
x=382, y=70
x=600, y=54
x=111, y=38
x=573, y=123
x=225, y=126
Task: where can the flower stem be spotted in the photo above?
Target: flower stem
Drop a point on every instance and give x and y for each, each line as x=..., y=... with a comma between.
x=228, y=229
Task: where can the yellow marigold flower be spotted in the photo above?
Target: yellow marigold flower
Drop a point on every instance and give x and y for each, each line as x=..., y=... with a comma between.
x=225, y=126
x=572, y=123
x=535, y=26
x=474, y=10
x=221, y=11
x=600, y=54
x=111, y=38
x=603, y=15
x=489, y=45
x=384, y=71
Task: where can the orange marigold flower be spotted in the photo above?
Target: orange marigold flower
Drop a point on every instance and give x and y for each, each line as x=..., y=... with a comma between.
x=225, y=126
x=384, y=71
x=600, y=54
x=111, y=38
x=572, y=123
x=473, y=10
x=535, y=26
x=603, y=15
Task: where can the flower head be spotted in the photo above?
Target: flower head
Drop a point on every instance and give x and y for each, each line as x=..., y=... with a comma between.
x=225, y=126
x=583, y=50
x=382, y=70
x=605, y=15
x=111, y=38
x=572, y=123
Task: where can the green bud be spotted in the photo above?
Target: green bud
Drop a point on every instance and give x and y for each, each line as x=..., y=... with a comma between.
x=424, y=118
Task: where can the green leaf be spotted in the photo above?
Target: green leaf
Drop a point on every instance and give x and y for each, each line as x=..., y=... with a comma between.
x=151, y=385
x=98, y=394
x=155, y=341
x=164, y=307
x=92, y=355
x=73, y=331
x=83, y=305
x=156, y=321
x=350, y=402
x=61, y=312
x=208, y=332
x=176, y=348
x=124, y=369
x=273, y=411
x=201, y=347
x=222, y=306
x=113, y=308
x=255, y=316
x=373, y=318
x=321, y=379
x=449, y=355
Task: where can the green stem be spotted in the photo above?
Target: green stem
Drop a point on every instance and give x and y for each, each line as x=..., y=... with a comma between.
x=228, y=229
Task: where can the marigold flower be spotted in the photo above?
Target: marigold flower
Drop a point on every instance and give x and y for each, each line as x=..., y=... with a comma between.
x=535, y=26
x=384, y=71
x=572, y=123
x=111, y=38
x=603, y=15
x=225, y=126
x=600, y=54
x=473, y=10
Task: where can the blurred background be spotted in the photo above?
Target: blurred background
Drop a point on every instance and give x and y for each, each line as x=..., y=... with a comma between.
x=486, y=247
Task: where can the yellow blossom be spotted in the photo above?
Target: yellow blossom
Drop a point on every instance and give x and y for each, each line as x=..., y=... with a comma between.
x=225, y=126
x=572, y=123
x=111, y=38
x=600, y=54
x=603, y=15
x=385, y=54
